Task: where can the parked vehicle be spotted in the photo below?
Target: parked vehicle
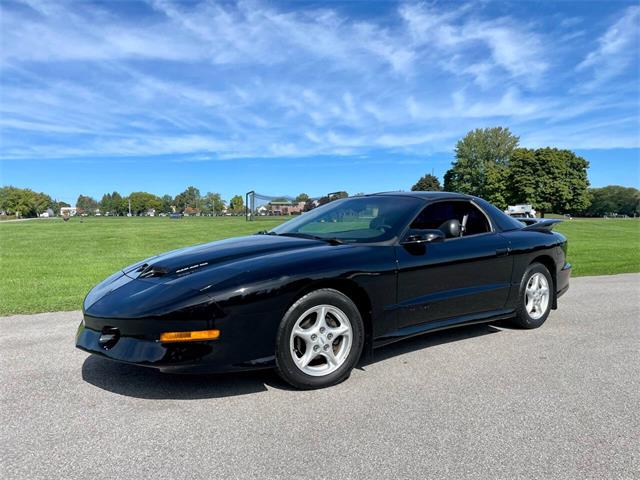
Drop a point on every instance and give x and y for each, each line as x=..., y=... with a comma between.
x=520, y=211
x=309, y=296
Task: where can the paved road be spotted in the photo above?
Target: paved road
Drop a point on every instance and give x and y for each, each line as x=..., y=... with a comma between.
x=478, y=402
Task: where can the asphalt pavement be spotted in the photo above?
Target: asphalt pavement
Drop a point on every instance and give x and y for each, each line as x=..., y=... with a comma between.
x=484, y=402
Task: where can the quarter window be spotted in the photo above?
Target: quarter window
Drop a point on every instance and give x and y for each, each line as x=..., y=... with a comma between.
x=434, y=215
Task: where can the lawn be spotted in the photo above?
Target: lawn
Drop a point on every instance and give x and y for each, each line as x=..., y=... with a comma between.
x=602, y=247
x=49, y=265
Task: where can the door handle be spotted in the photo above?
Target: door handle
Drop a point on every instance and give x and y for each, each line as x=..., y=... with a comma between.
x=501, y=252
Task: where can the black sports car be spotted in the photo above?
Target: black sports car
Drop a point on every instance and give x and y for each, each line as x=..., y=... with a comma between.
x=310, y=295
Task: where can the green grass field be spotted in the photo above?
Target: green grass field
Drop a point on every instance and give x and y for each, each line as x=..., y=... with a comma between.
x=49, y=265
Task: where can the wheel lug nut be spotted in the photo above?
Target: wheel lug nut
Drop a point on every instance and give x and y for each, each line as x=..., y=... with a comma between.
x=330, y=336
x=316, y=348
x=326, y=347
x=314, y=336
x=321, y=329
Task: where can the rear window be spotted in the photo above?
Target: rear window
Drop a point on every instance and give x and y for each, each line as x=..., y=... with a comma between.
x=501, y=219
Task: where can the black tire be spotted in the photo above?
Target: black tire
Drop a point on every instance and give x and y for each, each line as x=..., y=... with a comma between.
x=522, y=318
x=287, y=368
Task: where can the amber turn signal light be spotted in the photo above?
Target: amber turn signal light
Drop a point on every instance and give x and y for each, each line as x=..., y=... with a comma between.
x=198, y=335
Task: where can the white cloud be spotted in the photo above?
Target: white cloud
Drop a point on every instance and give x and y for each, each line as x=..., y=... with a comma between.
x=617, y=48
x=235, y=80
x=513, y=46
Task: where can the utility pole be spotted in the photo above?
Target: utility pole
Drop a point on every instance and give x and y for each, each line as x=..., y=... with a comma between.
x=130, y=207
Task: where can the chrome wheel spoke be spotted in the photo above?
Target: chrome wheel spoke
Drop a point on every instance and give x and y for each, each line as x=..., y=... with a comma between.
x=321, y=321
x=530, y=305
x=305, y=359
x=303, y=333
x=331, y=358
x=339, y=331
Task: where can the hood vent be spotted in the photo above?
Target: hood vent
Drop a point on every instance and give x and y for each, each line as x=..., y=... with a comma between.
x=149, y=271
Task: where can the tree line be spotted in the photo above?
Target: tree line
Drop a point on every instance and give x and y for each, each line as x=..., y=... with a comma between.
x=26, y=203
x=190, y=202
x=489, y=163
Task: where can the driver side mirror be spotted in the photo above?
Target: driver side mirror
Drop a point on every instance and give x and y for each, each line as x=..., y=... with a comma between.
x=417, y=237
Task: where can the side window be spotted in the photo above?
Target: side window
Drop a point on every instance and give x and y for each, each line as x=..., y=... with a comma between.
x=434, y=215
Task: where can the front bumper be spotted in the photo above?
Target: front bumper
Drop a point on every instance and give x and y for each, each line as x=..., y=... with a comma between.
x=181, y=357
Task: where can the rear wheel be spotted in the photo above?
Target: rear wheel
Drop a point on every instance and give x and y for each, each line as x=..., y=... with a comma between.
x=319, y=340
x=535, y=297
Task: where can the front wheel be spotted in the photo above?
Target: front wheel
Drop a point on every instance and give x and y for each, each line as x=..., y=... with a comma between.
x=535, y=297
x=320, y=340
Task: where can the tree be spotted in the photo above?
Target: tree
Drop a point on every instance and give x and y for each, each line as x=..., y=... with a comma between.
x=142, y=202
x=167, y=204
x=106, y=204
x=578, y=181
x=613, y=199
x=236, y=204
x=86, y=204
x=309, y=205
x=24, y=202
x=41, y=202
x=117, y=206
x=189, y=198
x=428, y=183
x=124, y=206
x=111, y=203
x=549, y=179
x=481, y=164
x=212, y=204
x=303, y=197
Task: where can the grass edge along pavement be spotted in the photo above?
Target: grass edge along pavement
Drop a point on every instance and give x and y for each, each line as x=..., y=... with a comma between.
x=50, y=265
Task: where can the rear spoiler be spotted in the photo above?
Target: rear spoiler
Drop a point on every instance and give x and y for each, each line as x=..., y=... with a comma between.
x=539, y=225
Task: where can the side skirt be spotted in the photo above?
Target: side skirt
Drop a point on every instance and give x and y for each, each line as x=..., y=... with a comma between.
x=427, y=327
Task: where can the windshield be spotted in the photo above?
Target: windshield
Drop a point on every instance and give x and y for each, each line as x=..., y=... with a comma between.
x=358, y=219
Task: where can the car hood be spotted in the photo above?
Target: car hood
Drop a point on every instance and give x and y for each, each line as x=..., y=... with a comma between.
x=216, y=254
x=183, y=278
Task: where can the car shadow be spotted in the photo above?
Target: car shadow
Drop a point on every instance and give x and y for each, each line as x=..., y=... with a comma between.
x=148, y=383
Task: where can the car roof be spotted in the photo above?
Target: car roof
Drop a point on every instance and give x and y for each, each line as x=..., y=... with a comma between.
x=501, y=220
x=425, y=195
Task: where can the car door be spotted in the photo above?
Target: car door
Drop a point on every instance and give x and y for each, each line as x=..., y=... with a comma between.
x=454, y=277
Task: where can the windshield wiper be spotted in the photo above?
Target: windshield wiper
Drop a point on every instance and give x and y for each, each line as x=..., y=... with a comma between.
x=265, y=232
x=330, y=240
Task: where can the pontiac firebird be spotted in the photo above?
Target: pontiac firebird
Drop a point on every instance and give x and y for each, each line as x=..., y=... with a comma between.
x=311, y=295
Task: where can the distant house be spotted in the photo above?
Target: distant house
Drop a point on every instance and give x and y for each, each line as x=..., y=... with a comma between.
x=286, y=208
x=68, y=211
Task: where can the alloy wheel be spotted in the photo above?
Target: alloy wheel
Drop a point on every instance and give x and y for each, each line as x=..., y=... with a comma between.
x=537, y=295
x=321, y=340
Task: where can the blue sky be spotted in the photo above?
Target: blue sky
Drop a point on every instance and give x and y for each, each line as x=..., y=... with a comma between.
x=285, y=97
